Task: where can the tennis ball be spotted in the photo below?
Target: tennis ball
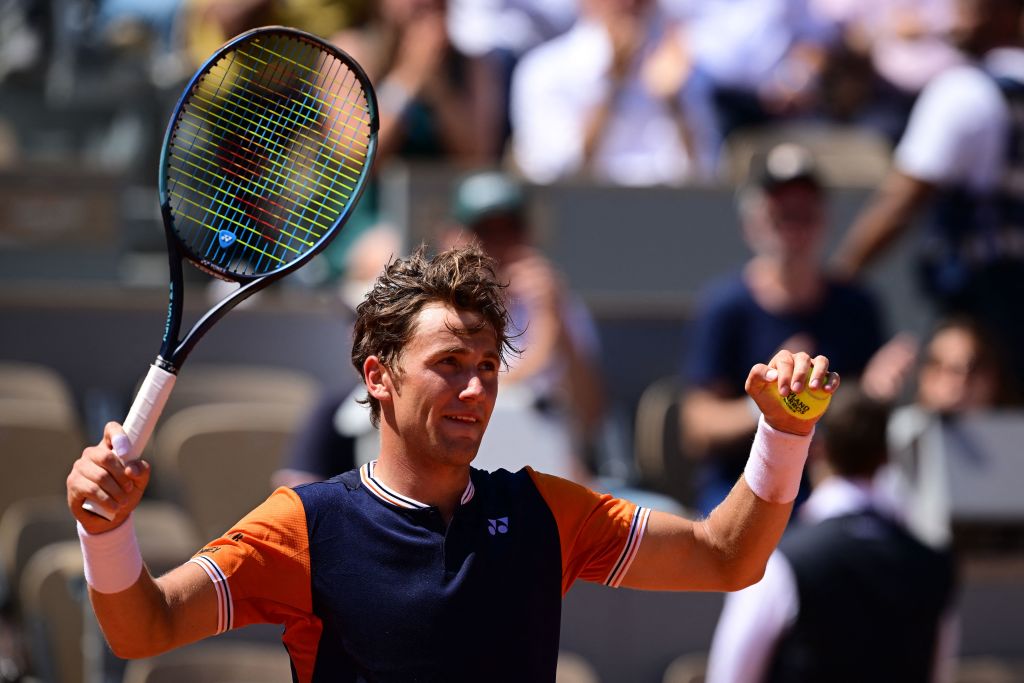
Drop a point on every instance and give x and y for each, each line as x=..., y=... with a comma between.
x=807, y=404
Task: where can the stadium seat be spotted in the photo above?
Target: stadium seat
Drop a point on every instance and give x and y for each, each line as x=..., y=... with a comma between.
x=849, y=156
x=52, y=592
x=213, y=662
x=39, y=440
x=657, y=441
x=203, y=383
x=572, y=668
x=989, y=670
x=688, y=668
x=220, y=457
x=166, y=534
x=27, y=526
x=33, y=381
x=52, y=595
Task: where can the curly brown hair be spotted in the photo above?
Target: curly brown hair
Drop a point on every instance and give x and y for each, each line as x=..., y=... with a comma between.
x=462, y=277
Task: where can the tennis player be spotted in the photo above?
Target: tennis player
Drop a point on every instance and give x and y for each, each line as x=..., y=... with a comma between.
x=417, y=567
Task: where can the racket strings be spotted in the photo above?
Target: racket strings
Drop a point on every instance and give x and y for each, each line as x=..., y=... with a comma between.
x=268, y=152
x=254, y=152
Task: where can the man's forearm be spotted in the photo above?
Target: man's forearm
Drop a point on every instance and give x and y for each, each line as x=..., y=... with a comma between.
x=139, y=616
x=889, y=214
x=157, y=615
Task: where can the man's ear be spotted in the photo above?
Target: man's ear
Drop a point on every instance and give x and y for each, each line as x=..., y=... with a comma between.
x=377, y=378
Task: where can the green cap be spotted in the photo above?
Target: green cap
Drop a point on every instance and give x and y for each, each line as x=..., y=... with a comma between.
x=484, y=194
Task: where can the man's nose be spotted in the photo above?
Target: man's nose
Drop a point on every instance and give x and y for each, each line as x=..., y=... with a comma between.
x=474, y=389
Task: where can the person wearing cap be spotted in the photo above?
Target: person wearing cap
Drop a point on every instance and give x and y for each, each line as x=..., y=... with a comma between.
x=781, y=298
x=559, y=367
x=850, y=594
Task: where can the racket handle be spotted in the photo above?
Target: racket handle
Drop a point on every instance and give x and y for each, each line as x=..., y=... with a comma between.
x=142, y=417
x=145, y=411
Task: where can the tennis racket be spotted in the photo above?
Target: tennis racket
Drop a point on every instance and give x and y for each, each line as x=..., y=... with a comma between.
x=265, y=157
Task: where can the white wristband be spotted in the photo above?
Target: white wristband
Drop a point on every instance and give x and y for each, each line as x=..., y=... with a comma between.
x=776, y=463
x=113, y=562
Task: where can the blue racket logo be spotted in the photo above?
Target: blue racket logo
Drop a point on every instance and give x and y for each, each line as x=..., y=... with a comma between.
x=226, y=238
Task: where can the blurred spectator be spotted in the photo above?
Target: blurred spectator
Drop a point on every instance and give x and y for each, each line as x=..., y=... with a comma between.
x=206, y=24
x=559, y=361
x=764, y=57
x=964, y=162
x=428, y=107
x=478, y=27
x=122, y=20
x=493, y=35
x=615, y=99
x=776, y=301
x=961, y=370
x=23, y=36
x=899, y=45
x=849, y=595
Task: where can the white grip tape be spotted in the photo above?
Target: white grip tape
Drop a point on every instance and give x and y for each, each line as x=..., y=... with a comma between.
x=146, y=409
x=776, y=463
x=142, y=417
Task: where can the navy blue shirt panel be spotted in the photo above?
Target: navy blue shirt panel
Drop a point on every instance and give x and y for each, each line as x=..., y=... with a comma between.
x=401, y=598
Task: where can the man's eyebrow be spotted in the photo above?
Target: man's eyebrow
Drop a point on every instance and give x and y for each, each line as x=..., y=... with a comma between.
x=461, y=349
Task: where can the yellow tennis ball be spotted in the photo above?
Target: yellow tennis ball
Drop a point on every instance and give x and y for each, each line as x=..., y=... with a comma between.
x=807, y=404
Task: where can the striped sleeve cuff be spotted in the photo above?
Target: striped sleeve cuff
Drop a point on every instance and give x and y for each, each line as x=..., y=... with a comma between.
x=637, y=528
x=225, y=609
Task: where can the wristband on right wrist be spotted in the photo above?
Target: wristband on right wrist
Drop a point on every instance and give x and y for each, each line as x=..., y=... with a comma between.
x=111, y=560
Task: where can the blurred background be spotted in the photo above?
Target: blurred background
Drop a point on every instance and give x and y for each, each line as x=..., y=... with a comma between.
x=670, y=186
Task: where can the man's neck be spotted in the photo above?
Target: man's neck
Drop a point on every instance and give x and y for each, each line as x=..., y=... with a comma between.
x=779, y=286
x=436, y=484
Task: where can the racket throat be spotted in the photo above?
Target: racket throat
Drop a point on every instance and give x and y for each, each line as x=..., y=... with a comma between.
x=165, y=365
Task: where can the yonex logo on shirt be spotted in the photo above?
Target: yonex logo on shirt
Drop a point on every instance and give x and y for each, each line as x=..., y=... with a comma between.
x=497, y=526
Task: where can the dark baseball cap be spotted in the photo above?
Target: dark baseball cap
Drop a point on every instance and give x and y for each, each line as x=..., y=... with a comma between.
x=783, y=164
x=484, y=194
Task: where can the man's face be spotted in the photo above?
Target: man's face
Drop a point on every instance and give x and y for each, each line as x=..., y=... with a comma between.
x=789, y=222
x=954, y=377
x=443, y=393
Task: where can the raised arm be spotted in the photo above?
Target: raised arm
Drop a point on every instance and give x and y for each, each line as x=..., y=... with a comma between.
x=140, y=616
x=889, y=213
x=729, y=550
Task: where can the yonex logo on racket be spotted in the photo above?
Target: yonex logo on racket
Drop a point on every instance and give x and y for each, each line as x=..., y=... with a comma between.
x=497, y=526
x=226, y=238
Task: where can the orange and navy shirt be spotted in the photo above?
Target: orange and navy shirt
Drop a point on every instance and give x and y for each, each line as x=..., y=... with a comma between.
x=371, y=585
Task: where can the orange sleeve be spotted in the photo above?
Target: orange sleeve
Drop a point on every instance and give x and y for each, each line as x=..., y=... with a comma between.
x=260, y=569
x=599, y=534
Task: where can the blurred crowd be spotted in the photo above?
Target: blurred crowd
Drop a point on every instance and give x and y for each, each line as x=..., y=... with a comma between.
x=655, y=93
x=636, y=92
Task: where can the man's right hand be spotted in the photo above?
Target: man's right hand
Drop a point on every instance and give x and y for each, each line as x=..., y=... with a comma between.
x=100, y=476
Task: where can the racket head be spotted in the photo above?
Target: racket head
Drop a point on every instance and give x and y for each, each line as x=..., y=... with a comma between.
x=266, y=154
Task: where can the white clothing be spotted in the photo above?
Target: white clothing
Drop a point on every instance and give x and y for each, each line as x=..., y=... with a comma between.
x=958, y=128
x=557, y=86
x=916, y=474
x=753, y=619
x=477, y=27
x=741, y=43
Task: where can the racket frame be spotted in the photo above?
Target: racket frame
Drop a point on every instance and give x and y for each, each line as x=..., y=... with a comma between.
x=156, y=387
x=174, y=351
